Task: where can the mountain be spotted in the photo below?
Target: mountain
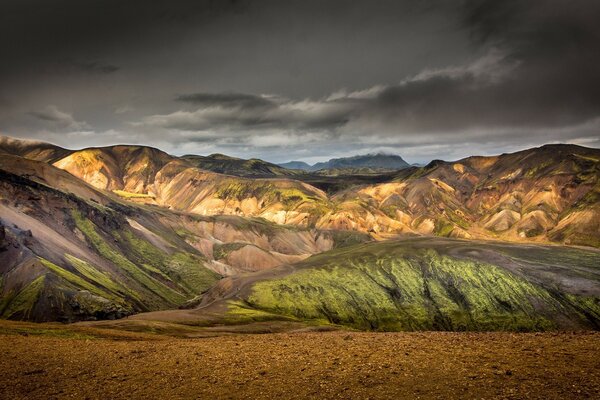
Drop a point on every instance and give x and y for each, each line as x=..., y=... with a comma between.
x=407, y=285
x=111, y=231
x=546, y=194
x=70, y=251
x=296, y=165
x=379, y=161
x=384, y=161
x=32, y=149
x=239, y=167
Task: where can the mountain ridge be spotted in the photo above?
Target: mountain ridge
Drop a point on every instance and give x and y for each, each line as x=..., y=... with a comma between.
x=371, y=160
x=547, y=194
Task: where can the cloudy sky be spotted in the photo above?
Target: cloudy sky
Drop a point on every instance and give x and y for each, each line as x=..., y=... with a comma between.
x=302, y=80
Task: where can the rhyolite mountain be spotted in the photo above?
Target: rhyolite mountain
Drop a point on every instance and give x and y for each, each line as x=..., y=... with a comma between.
x=105, y=232
x=70, y=251
x=375, y=161
x=546, y=194
x=236, y=166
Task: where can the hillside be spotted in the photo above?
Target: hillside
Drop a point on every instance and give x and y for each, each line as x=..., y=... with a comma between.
x=69, y=251
x=296, y=165
x=546, y=194
x=223, y=164
x=439, y=285
x=402, y=285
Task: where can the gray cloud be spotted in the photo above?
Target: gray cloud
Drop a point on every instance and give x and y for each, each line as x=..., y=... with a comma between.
x=227, y=100
x=57, y=119
x=303, y=79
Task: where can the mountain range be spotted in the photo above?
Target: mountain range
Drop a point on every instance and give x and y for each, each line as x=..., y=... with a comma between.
x=101, y=233
x=374, y=161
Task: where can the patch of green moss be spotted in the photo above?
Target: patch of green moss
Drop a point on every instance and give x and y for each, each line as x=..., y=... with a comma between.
x=190, y=272
x=185, y=234
x=76, y=280
x=349, y=238
x=403, y=289
x=443, y=227
x=240, y=313
x=167, y=294
x=47, y=332
x=21, y=305
x=457, y=219
x=265, y=191
x=534, y=171
x=94, y=275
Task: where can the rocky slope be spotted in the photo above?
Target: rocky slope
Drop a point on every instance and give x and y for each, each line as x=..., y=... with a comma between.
x=69, y=251
x=546, y=194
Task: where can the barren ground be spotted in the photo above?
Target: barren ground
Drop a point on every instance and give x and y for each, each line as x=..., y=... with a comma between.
x=40, y=363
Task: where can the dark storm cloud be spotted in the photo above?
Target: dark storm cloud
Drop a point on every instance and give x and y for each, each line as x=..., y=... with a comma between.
x=232, y=100
x=50, y=31
x=306, y=78
x=557, y=44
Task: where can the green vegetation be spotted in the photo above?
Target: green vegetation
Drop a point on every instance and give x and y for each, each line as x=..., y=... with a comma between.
x=76, y=280
x=443, y=227
x=349, y=238
x=239, y=312
x=264, y=191
x=221, y=251
x=55, y=332
x=22, y=304
x=186, y=234
x=169, y=296
x=392, y=287
x=94, y=275
x=184, y=269
x=189, y=271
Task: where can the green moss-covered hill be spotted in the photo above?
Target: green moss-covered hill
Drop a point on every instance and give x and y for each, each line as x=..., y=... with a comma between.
x=435, y=284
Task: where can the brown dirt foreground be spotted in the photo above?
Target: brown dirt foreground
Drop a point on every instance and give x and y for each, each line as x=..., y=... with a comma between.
x=325, y=365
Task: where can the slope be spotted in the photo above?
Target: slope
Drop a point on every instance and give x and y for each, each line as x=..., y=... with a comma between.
x=428, y=284
x=69, y=251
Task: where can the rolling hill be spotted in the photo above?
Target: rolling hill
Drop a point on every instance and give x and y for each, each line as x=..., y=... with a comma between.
x=403, y=285
x=253, y=168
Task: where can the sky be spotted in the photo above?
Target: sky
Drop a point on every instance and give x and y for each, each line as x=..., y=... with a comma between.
x=302, y=80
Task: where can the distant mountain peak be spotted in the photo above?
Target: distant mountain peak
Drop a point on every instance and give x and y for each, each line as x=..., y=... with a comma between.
x=371, y=160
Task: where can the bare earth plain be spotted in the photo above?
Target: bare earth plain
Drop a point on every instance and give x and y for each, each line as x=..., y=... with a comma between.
x=55, y=362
